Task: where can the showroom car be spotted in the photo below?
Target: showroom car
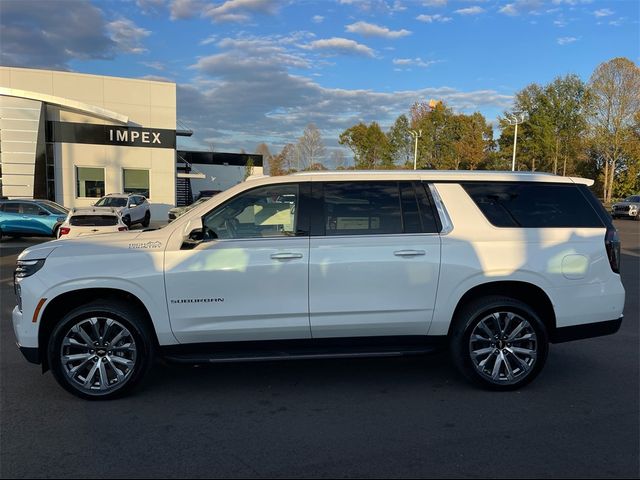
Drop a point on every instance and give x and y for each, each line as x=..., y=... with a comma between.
x=91, y=221
x=132, y=207
x=26, y=218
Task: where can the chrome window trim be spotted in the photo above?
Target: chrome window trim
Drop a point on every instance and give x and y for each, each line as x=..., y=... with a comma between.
x=445, y=219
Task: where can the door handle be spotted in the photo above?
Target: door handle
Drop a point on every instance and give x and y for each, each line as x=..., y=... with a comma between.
x=408, y=253
x=285, y=256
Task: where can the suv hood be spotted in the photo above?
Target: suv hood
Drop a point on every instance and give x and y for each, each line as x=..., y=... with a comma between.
x=100, y=244
x=624, y=204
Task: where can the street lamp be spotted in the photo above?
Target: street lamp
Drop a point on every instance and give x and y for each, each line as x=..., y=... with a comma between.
x=515, y=118
x=415, y=134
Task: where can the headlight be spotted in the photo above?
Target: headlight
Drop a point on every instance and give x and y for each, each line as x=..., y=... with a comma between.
x=26, y=268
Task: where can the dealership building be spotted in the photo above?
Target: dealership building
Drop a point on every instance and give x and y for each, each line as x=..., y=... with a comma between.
x=73, y=138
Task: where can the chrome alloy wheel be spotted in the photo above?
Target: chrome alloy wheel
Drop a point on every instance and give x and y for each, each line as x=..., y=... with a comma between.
x=503, y=347
x=98, y=355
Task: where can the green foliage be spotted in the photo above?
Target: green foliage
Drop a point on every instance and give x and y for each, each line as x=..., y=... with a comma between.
x=370, y=146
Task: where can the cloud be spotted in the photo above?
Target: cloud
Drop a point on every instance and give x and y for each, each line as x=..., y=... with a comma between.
x=185, y=9
x=433, y=18
x=127, y=36
x=470, y=11
x=520, y=7
x=317, y=19
x=340, y=46
x=373, y=30
x=155, y=65
x=414, y=62
x=434, y=3
x=246, y=94
x=566, y=40
x=240, y=10
x=603, y=12
x=52, y=34
x=151, y=7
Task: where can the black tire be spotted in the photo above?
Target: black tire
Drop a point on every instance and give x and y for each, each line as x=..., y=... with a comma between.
x=466, y=321
x=56, y=231
x=0, y=234
x=147, y=219
x=127, y=221
x=129, y=317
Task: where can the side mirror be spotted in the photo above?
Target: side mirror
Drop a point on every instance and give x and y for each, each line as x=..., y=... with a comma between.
x=43, y=213
x=131, y=205
x=197, y=235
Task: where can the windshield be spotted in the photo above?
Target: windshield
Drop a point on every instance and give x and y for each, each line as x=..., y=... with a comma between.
x=54, y=208
x=112, y=202
x=633, y=199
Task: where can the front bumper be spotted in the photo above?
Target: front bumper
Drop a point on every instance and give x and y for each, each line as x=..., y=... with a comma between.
x=32, y=354
x=587, y=330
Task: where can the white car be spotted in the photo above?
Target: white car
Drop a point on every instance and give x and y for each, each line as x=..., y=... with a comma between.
x=90, y=221
x=495, y=265
x=133, y=208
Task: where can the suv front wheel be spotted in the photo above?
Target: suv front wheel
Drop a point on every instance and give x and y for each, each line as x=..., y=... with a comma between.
x=499, y=343
x=100, y=350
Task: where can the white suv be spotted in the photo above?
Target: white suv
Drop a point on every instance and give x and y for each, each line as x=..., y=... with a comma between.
x=495, y=265
x=133, y=208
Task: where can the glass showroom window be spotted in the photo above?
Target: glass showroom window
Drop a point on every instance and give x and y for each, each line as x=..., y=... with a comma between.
x=136, y=181
x=89, y=182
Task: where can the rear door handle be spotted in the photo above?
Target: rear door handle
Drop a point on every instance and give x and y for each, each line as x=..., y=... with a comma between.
x=285, y=256
x=408, y=253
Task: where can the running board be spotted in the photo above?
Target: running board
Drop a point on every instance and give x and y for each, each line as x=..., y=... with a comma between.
x=312, y=354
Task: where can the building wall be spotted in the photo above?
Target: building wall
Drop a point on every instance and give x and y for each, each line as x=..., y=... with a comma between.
x=148, y=104
x=20, y=121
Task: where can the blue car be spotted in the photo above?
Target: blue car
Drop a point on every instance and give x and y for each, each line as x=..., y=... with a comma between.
x=31, y=218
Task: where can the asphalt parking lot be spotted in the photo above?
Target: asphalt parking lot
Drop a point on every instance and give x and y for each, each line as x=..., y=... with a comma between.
x=405, y=417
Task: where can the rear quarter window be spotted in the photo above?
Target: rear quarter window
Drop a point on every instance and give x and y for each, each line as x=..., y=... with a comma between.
x=93, y=220
x=534, y=205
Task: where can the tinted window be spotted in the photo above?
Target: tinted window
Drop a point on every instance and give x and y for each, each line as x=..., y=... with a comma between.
x=410, y=211
x=31, y=209
x=136, y=181
x=430, y=222
x=362, y=208
x=11, y=208
x=262, y=212
x=53, y=207
x=93, y=220
x=112, y=202
x=533, y=205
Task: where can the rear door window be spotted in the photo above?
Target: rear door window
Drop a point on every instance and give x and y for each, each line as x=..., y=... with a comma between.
x=362, y=208
x=533, y=205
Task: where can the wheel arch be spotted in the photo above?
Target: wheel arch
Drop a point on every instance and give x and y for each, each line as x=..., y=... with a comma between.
x=526, y=292
x=67, y=301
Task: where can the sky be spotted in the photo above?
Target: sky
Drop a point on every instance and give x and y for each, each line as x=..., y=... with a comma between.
x=252, y=71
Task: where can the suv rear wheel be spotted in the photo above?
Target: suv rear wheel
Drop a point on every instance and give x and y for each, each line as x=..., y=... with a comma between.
x=499, y=343
x=147, y=219
x=100, y=350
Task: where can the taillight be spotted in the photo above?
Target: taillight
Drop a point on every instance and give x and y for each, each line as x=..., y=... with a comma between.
x=122, y=229
x=612, y=244
x=64, y=230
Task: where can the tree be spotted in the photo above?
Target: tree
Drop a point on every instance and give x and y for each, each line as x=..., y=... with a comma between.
x=311, y=147
x=263, y=150
x=248, y=169
x=473, y=140
x=338, y=161
x=369, y=144
x=615, y=90
x=400, y=141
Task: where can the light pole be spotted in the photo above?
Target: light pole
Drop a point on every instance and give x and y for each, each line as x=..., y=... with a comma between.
x=515, y=118
x=415, y=134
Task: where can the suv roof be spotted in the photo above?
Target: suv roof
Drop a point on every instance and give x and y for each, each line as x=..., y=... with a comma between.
x=447, y=175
